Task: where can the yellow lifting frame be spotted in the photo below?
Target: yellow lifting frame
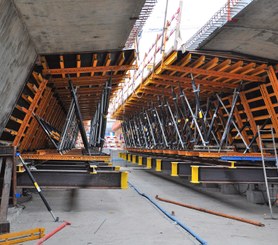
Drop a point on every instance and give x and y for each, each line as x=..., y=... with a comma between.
x=174, y=169
x=133, y=158
x=232, y=164
x=195, y=175
x=149, y=162
x=158, y=165
x=22, y=236
x=124, y=180
x=140, y=160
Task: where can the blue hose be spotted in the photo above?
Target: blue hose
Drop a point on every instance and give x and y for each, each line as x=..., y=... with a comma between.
x=170, y=216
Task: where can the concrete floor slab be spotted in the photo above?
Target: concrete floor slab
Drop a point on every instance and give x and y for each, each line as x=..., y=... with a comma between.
x=125, y=217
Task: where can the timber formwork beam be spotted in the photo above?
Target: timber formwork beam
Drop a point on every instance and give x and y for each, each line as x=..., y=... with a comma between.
x=66, y=157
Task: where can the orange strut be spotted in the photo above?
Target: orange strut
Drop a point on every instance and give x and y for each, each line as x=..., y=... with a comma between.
x=211, y=212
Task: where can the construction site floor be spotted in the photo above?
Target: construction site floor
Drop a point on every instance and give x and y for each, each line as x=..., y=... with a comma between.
x=106, y=216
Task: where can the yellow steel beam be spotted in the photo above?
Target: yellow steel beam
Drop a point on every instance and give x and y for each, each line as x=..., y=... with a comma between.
x=133, y=158
x=158, y=165
x=195, y=174
x=140, y=160
x=22, y=236
x=149, y=162
x=174, y=169
x=124, y=180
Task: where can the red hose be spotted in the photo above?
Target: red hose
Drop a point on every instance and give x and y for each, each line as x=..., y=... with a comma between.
x=47, y=236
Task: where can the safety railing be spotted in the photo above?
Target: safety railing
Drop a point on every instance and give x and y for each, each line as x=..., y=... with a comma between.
x=163, y=43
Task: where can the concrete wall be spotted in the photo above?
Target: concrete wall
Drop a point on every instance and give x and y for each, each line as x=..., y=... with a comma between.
x=17, y=55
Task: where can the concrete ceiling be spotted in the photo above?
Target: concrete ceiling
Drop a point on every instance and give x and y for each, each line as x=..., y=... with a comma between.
x=254, y=31
x=60, y=26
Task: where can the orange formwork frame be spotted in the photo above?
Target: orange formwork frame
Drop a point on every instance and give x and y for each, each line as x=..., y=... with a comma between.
x=42, y=85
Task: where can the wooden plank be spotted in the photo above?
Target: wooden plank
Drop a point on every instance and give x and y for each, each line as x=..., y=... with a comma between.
x=120, y=61
x=241, y=70
x=231, y=69
x=27, y=98
x=221, y=67
x=240, y=124
x=33, y=128
x=273, y=80
x=107, y=62
x=212, y=73
x=40, y=137
x=78, y=64
x=88, y=69
x=249, y=114
x=10, y=131
x=183, y=62
x=258, y=70
x=21, y=108
x=43, y=62
x=197, y=81
x=270, y=108
x=16, y=119
x=63, y=82
x=62, y=65
x=32, y=87
x=94, y=63
x=31, y=109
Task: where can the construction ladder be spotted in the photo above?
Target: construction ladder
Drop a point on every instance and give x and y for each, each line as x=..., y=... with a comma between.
x=266, y=148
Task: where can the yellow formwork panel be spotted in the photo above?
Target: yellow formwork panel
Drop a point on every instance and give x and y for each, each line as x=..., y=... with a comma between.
x=195, y=175
x=158, y=165
x=174, y=168
x=129, y=157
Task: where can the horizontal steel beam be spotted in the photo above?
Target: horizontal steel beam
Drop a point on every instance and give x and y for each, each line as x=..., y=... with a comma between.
x=204, y=170
x=217, y=174
x=73, y=179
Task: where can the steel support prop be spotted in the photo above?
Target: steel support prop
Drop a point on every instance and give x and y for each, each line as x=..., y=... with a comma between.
x=79, y=117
